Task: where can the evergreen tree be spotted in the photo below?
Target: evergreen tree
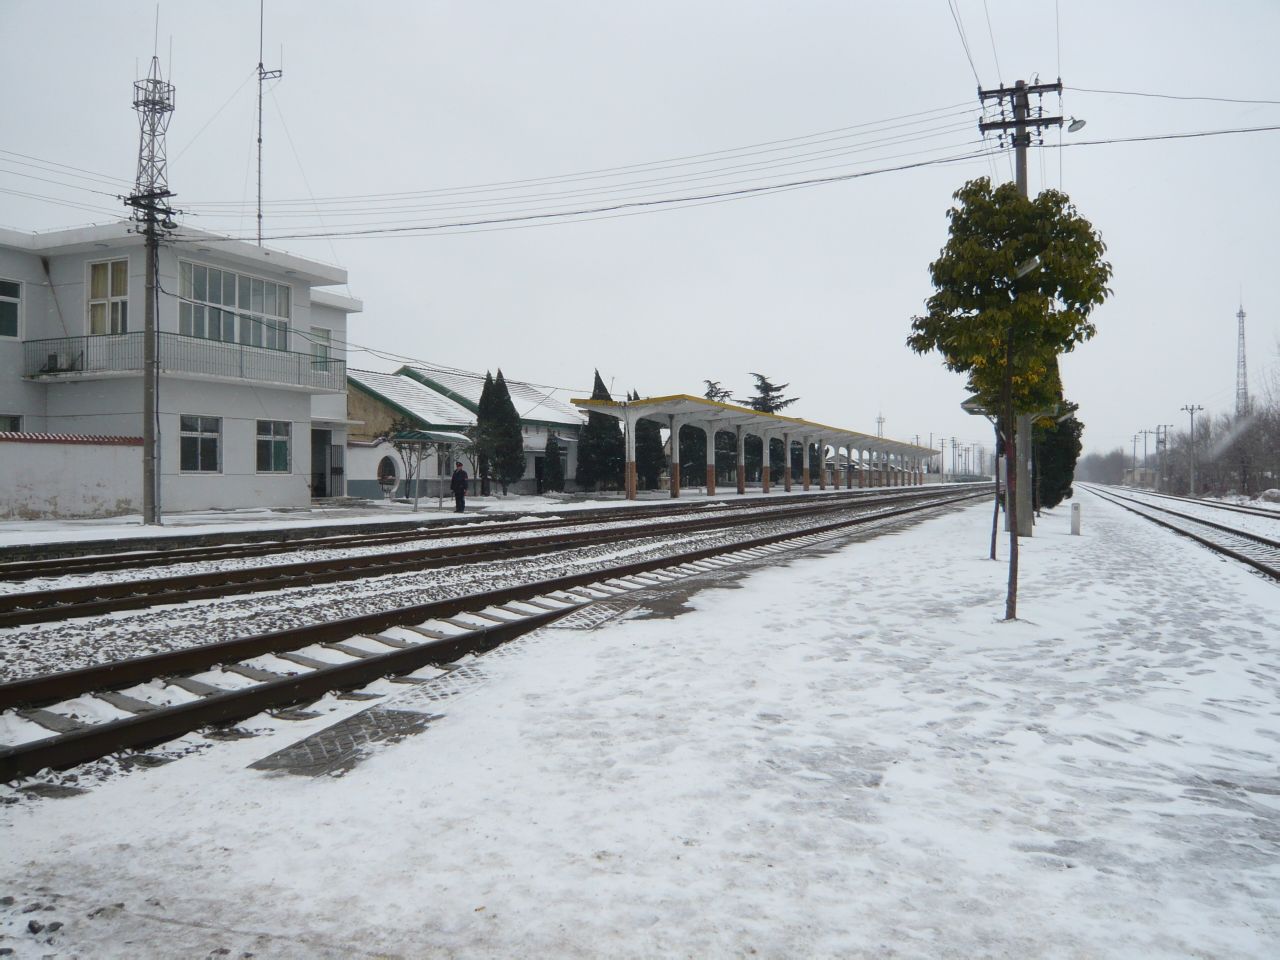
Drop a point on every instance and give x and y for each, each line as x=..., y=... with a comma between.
x=649, y=454
x=693, y=456
x=1057, y=448
x=768, y=398
x=484, y=438
x=508, y=445
x=552, y=467
x=601, y=449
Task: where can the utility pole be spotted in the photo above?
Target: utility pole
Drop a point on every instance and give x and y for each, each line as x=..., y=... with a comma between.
x=1019, y=100
x=263, y=74
x=1193, y=409
x=1242, y=375
x=880, y=425
x=1133, y=475
x=1145, y=467
x=153, y=99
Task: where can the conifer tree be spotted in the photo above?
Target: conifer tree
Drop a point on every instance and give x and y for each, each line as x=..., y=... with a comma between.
x=601, y=448
x=768, y=397
x=552, y=467
x=484, y=438
x=508, y=437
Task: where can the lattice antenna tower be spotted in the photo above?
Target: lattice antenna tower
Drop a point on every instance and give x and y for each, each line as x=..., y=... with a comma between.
x=153, y=99
x=1242, y=374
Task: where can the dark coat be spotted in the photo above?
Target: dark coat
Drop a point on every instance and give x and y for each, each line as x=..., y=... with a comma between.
x=459, y=482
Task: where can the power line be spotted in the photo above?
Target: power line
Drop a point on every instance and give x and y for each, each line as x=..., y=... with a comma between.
x=1171, y=96
x=1169, y=136
x=991, y=33
x=668, y=202
x=964, y=41
x=942, y=113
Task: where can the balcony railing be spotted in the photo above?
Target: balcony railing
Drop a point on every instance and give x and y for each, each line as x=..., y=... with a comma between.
x=72, y=358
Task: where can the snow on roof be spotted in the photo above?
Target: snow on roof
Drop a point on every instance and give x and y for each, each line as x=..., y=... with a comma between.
x=532, y=403
x=428, y=406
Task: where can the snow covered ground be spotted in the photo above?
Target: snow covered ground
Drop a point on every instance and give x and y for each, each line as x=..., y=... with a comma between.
x=847, y=756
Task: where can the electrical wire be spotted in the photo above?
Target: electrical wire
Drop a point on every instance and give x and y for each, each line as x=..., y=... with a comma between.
x=667, y=202
x=991, y=33
x=613, y=170
x=1170, y=96
x=1172, y=136
x=964, y=41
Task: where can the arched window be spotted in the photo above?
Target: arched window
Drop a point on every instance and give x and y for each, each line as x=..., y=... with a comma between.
x=386, y=468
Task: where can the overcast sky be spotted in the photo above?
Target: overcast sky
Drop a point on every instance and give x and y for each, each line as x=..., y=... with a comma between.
x=813, y=286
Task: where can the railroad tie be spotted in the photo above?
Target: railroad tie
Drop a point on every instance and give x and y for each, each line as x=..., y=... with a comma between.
x=302, y=660
x=198, y=687
x=349, y=650
x=385, y=639
x=253, y=673
x=122, y=701
x=56, y=722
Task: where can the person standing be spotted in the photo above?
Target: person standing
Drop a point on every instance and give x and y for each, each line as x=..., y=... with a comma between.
x=459, y=487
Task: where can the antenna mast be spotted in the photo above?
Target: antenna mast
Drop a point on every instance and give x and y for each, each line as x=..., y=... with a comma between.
x=1242, y=376
x=153, y=99
x=263, y=74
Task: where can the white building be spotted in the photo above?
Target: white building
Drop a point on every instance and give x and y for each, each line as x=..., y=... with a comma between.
x=431, y=399
x=251, y=399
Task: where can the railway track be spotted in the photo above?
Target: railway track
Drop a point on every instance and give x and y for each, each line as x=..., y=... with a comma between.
x=1260, y=552
x=57, y=560
x=148, y=700
x=62, y=603
x=1216, y=505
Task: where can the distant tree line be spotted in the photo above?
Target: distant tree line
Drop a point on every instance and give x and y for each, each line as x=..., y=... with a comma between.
x=1234, y=454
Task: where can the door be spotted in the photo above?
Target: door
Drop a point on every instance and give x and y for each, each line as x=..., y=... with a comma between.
x=320, y=463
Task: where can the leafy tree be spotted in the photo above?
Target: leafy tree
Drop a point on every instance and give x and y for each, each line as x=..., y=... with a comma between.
x=650, y=458
x=1057, y=448
x=508, y=437
x=1014, y=287
x=552, y=466
x=411, y=453
x=601, y=449
x=768, y=397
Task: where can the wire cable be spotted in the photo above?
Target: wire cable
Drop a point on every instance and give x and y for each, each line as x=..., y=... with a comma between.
x=1170, y=96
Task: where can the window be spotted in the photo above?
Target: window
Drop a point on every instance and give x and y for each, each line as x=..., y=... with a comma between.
x=109, y=297
x=201, y=443
x=10, y=297
x=10, y=423
x=273, y=446
x=212, y=300
x=321, y=342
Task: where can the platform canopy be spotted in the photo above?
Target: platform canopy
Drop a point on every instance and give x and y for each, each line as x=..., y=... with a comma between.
x=728, y=416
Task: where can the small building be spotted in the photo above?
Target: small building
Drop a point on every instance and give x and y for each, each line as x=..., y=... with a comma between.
x=252, y=378
x=445, y=401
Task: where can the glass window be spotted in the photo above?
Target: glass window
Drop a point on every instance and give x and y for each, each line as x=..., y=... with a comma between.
x=262, y=307
x=321, y=341
x=273, y=446
x=109, y=297
x=10, y=423
x=10, y=297
x=201, y=442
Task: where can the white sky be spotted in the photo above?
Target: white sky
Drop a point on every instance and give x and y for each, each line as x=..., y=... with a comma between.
x=1088, y=781
x=814, y=287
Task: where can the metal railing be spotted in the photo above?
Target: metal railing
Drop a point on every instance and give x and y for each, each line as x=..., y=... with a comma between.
x=72, y=357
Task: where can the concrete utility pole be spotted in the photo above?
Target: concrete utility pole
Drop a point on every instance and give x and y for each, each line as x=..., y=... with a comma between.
x=1019, y=99
x=263, y=74
x=1193, y=409
x=153, y=99
x=1145, y=434
x=1133, y=474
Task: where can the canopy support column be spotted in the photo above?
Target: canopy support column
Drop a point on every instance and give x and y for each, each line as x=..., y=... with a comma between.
x=765, y=439
x=674, y=471
x=786, y=458
x=742, y=459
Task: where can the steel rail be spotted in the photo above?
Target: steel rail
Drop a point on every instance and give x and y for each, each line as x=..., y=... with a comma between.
x=1216, y=505
x=167, y=722
x=1270, y=569
x=19, y=609
x=123, y=555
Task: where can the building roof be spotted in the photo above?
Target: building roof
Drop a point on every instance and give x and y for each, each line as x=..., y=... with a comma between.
x=531, y=403
x=727, y=415
x=427, y=406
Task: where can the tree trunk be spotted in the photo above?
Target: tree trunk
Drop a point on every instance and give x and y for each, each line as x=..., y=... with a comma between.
x=995, y=512
x=1011, y=487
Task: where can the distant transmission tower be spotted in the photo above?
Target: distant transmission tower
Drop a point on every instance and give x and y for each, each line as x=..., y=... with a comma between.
x=153, y=99
x=1242, y=375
